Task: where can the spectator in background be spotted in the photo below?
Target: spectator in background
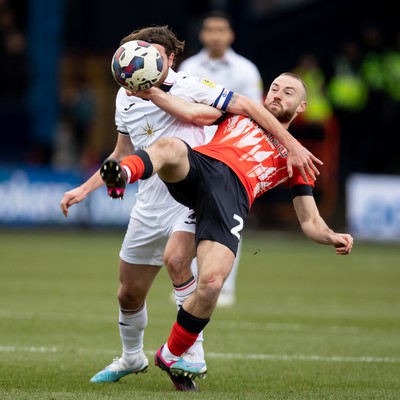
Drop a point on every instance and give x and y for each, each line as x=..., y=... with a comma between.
x=218, y=62
x=375, y=158
x=13, y=67
x=78, y=105
x=319, y=109
x=391, y=68
x=80, y=110
x=348, y=94
x=14, y=82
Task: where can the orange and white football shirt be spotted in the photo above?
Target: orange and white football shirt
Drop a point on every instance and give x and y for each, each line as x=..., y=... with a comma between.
x=256, y=156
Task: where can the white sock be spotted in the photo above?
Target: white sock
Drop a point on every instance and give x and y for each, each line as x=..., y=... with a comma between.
x=132, y=324
x=128, y=173
x=181, y=294
x=197, y=347
x=167, y=355
x=184, y=291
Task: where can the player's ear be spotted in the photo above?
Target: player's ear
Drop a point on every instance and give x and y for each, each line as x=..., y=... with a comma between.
x=171, y=60
x=302, y=106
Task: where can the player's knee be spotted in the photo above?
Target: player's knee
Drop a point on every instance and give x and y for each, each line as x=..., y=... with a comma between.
x=209, y=286
x=130, y=299
x=170, y=146
x=178, y=268
x=165, y=145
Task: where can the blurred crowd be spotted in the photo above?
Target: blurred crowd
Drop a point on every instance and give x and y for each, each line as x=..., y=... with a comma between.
x=14, y=74
x=14, y=82
x=359, y=91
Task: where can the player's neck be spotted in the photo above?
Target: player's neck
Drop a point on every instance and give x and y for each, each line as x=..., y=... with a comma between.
x=216, y=54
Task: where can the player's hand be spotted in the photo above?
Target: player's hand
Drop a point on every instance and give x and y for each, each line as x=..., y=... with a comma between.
x=143, y=94
x=72, y=197
x=343, y=243
x=301, y=158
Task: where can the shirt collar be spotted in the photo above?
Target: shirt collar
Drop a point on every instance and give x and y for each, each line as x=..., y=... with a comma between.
x=226, y=59
x=169, y=81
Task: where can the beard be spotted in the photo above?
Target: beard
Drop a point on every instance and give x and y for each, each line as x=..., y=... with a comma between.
x=283, y=116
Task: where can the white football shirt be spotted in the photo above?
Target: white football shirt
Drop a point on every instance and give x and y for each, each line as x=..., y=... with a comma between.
x=144, y=122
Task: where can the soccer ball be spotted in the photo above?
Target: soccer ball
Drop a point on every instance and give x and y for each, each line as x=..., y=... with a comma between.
x=136, y=65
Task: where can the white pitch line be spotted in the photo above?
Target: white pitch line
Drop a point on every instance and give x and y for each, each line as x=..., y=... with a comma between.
x=301, y=357
x=28, y=349
x=267, y=357
x=246, y=325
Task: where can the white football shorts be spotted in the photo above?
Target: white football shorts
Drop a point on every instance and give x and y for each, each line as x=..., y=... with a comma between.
x=149, y=230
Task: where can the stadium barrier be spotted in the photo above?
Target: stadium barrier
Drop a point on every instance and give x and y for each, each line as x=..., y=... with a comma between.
x=30, y=196
x=373, y=207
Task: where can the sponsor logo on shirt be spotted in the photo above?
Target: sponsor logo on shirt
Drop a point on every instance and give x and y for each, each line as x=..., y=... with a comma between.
x=208, y=83
x=130, y=105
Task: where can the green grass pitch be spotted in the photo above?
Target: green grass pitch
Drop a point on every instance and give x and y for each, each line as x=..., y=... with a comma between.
x=307, y=324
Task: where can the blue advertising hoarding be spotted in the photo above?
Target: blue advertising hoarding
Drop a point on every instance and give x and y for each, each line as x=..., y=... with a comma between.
x=373, y=207
x=30, y=196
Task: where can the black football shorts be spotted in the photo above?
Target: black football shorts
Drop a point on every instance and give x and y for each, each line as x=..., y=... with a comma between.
x=218, y=198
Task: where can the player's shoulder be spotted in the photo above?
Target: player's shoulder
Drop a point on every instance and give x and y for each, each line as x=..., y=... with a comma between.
x=121, y=94
x=122, y=99
x=185, y=83
x=184, y=78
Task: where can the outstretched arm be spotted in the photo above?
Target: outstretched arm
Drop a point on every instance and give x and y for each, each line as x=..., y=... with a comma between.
x=201, y=114
x=315, y=227
x=298, y=156
x=195, y=113
x=123, y=148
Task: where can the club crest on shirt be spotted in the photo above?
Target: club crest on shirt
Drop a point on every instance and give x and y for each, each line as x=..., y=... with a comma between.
x=149, y=130
x=208, y=83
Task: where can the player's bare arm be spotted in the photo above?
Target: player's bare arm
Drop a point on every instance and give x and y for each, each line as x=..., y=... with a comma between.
x=298, y=156
x=122, y=149
x=196, y=113
x=315, y=227
x=200, y=114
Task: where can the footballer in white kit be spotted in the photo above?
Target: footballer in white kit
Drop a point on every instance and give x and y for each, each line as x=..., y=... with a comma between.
x=144, y=122
x=156, y=218
x=156, y=215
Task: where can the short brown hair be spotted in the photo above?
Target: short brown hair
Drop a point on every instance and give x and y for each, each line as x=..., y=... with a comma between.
x=161, y=35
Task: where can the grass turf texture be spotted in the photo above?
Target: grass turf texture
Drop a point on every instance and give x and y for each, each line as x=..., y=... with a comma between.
x=307, y=325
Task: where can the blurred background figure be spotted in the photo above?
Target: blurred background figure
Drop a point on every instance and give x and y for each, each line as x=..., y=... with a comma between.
x=14, y=82
x=219, y=63
x=348, y=94
x=78, y=112
x=319, y=109
x=318, y=129
x=391, y=67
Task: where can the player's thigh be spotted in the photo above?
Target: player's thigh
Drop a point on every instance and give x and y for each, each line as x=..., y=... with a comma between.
x=180, y=246
x=180, y=249
x=145, y=238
